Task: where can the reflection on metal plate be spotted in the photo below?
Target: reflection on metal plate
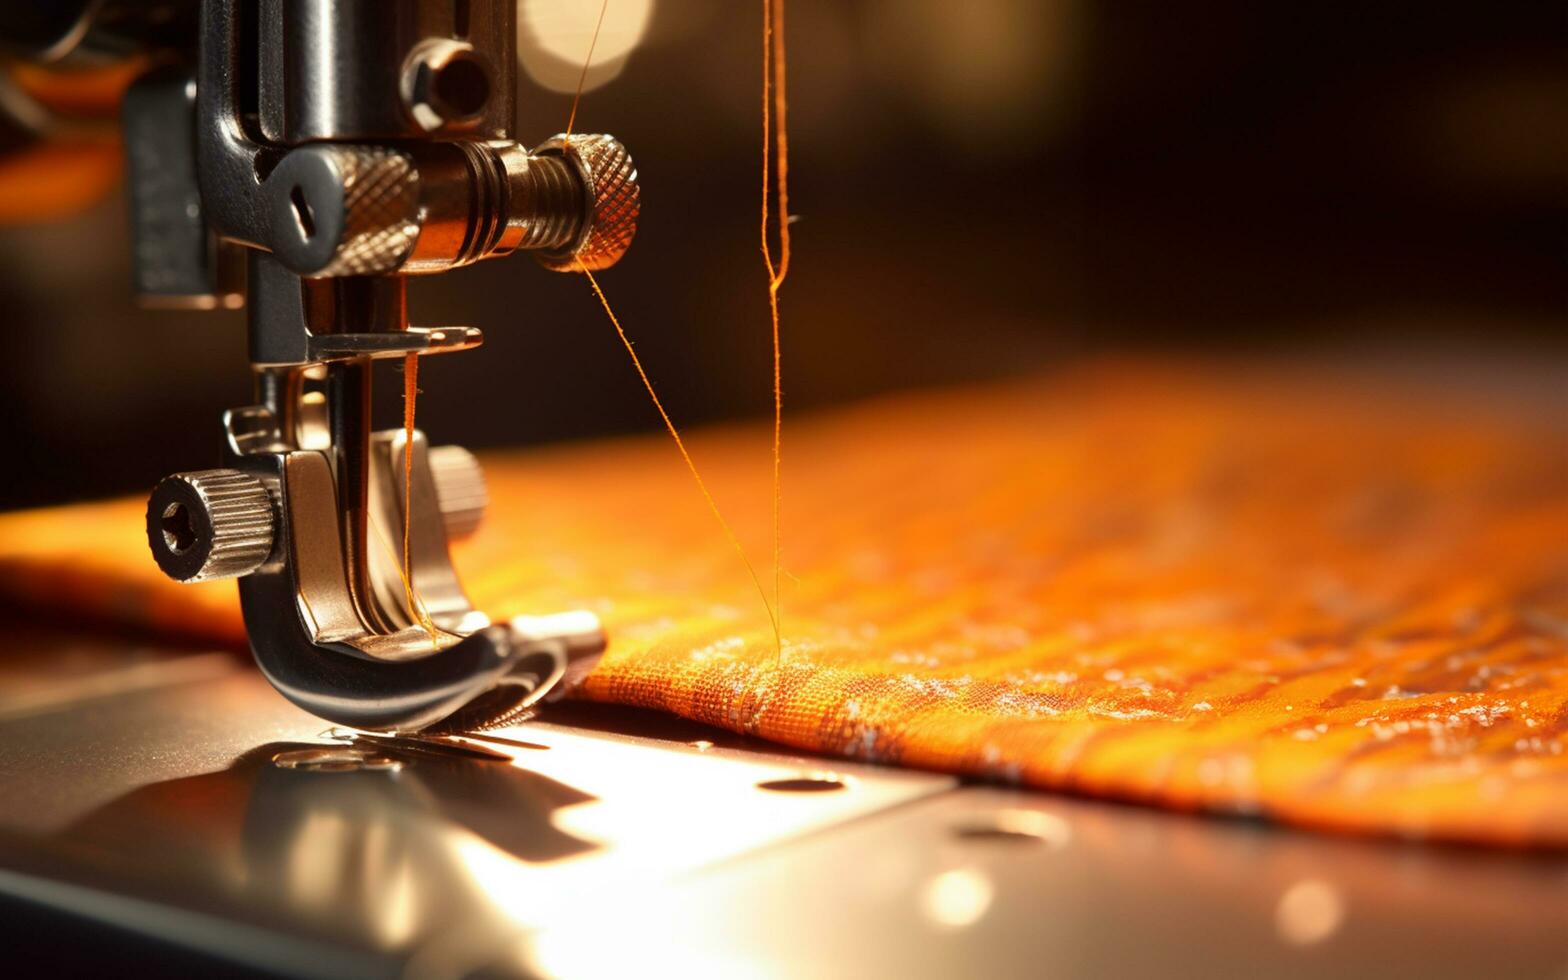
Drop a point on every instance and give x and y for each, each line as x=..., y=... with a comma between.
x=444, y=855
x=208, y=815
x=996, y=883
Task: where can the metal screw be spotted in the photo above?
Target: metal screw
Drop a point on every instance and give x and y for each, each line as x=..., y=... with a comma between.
x=445, y=84
x=210, y=524
x=614, y=200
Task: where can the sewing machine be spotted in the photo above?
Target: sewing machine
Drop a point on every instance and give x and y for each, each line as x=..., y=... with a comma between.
x=165, y=808
x=303, y=159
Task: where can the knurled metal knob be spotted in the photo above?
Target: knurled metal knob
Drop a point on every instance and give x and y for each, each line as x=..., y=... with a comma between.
x=210, y=524
x=341, y=209
x=612, y=203
x=460, y=488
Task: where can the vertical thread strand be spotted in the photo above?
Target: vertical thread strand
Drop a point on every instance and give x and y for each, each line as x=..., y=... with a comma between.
x=775, y=139
x=416, y=610
x=587, y=62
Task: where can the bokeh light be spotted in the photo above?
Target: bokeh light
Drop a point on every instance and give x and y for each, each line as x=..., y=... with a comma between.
x=1309, y=912
x=554, y=36
x=957, y=898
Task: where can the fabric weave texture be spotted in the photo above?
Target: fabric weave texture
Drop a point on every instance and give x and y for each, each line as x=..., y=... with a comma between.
x=1295, y=594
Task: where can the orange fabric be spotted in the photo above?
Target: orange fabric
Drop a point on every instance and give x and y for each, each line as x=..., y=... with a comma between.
x=1205, y=588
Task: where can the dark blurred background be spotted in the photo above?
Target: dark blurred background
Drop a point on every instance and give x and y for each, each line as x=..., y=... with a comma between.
x=984, y=187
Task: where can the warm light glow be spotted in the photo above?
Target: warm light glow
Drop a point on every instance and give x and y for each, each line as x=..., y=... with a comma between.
x=553, y=37
x=1309, y=912
x=956, y=899
x=400, y=912
x=315, y=861
x=639, y=948
x=1047, y=827
x=512, y=888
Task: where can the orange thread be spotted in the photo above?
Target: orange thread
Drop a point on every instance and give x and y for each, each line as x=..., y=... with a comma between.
x=583, y=78
x=669, y=424
x=416, y=610
x=775, y=131
x=391, y=553
x=680, y=444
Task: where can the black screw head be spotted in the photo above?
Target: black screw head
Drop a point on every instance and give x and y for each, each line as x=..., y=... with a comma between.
x=210, y=524
x=179, y=529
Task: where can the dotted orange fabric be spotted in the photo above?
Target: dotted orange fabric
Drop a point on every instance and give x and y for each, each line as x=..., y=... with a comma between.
x=1217, y=588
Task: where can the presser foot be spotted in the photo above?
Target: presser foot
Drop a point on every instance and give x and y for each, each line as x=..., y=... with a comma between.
x=346, y=617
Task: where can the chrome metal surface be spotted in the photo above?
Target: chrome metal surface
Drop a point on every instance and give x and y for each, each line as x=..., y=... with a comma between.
x=611, y=207
x=395, y=493
x=348, y=209
x=988, y=882
x=389, y=855
x=198, y=812
x=414, y=340
x=307, y=619
x=368, y=68
x=308, y=635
